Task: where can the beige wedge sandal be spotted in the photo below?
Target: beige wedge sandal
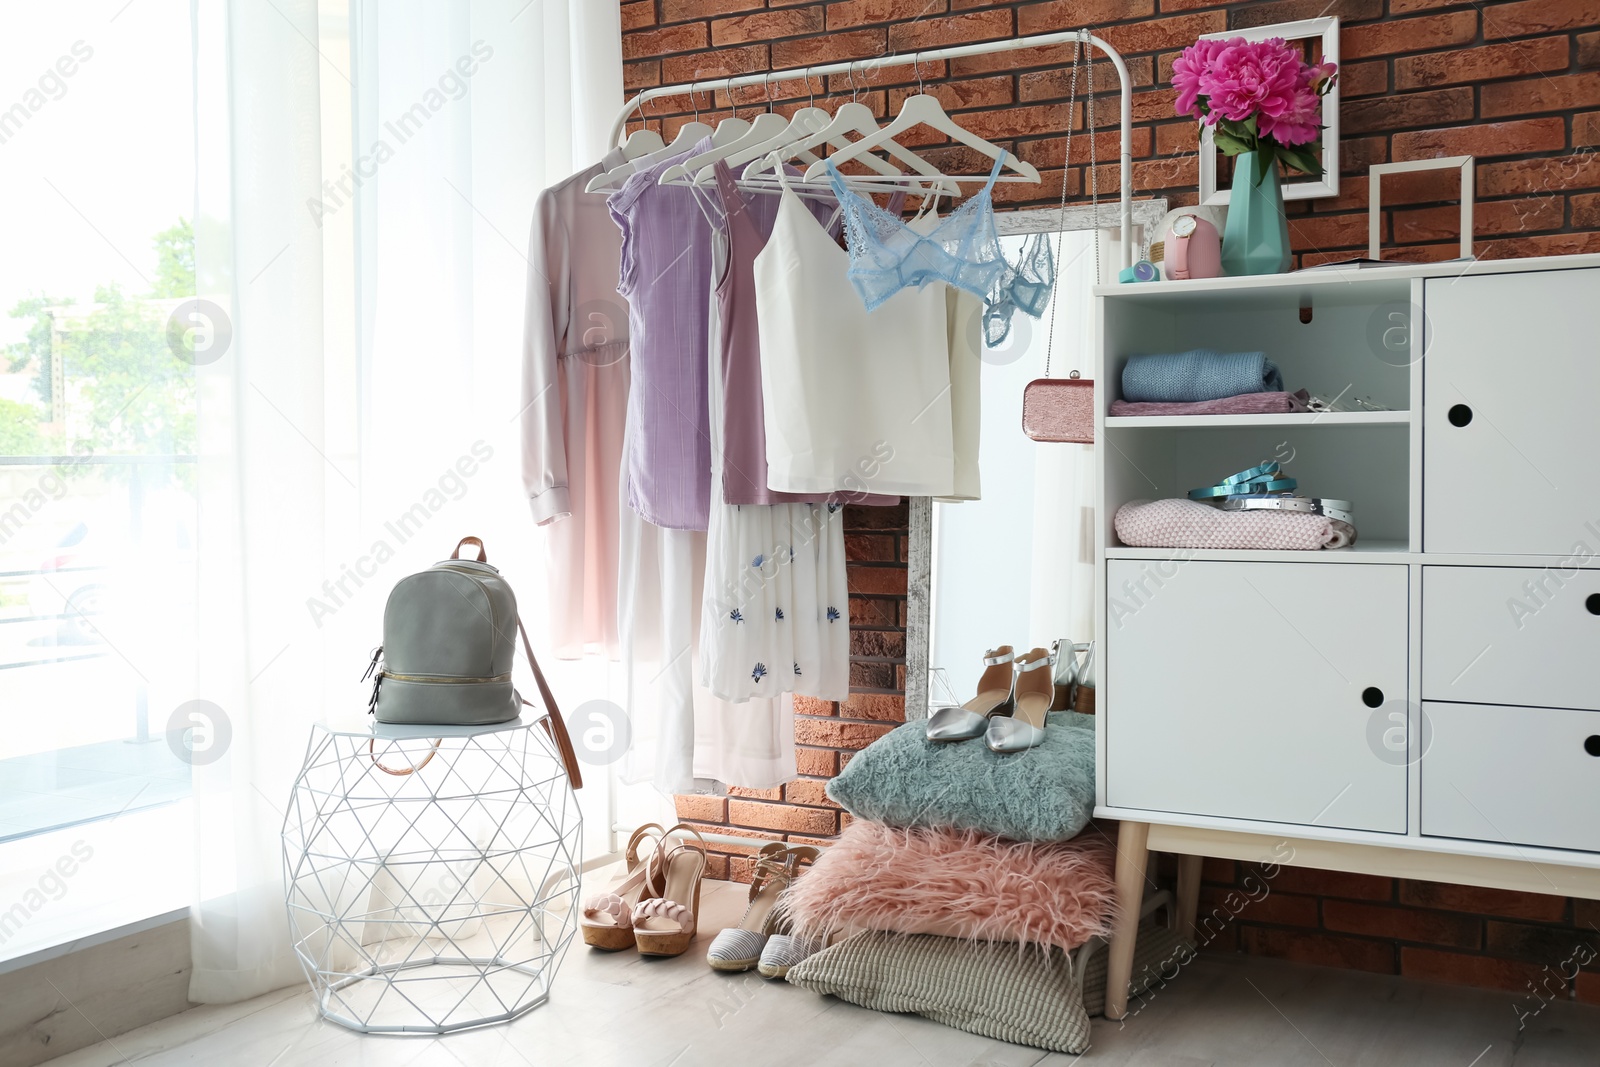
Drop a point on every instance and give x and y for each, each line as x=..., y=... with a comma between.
x=607, y=920
x=664, y=925
x=739, y=948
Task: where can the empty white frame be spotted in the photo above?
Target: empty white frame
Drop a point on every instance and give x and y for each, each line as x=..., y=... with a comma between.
x=1314, y=188
x=1375, y=200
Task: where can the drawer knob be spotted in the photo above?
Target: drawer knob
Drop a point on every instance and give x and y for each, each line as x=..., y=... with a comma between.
x=1372, y=697
x=1592, y=602
x=1460, y=415
x=1591, y=744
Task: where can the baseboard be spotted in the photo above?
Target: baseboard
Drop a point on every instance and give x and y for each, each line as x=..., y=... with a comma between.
x=66, y=1002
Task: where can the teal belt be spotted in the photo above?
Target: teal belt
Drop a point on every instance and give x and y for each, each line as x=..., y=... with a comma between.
x=1263, y=478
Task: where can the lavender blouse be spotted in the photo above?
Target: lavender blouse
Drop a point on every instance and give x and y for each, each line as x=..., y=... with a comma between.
x=665, y=274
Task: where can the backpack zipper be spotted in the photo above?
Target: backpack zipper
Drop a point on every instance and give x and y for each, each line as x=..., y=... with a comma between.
x=478, y=580
x=441, y=679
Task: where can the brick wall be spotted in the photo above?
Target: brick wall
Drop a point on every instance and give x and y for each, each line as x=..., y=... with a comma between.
x=1531, y=945
x=1514, y=82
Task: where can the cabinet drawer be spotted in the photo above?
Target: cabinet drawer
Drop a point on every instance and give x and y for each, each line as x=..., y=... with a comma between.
x=1509, y=382
x=1240, y=690
x=1525, y=776
x=1511, y=635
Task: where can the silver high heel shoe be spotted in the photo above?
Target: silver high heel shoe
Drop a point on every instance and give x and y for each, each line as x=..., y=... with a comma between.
x=1063, y=654
x=1033, y=690
x=961, y=722
x=1083, y=691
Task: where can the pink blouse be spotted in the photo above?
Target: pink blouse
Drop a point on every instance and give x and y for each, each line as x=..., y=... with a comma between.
x=574, y=403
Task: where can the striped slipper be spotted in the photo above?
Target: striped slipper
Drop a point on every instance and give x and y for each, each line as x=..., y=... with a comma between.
x=739, y=948
x=784, y=951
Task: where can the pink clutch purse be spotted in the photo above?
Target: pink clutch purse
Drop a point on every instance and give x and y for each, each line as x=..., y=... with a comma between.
x=1059, y=409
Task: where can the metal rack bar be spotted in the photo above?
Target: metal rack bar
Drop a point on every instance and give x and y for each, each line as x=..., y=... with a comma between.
x=931, y=55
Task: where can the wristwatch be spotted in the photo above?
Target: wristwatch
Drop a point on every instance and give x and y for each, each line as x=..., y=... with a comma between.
x=1193, y=249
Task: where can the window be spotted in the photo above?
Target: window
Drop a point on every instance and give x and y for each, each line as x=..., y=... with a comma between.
x=97, y=443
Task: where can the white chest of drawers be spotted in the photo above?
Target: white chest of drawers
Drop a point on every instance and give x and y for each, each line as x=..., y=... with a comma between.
x=1426, y=703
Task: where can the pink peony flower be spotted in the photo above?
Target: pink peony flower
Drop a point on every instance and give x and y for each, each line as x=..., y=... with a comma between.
x=1189, y=72
x=1300, y=123
x=1253, y=78
x=1317, y=73
x=1266, y=81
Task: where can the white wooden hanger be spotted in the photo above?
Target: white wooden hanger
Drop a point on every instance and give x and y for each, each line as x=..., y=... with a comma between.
x=642, y=142
x=778, y=132
x=767, y=127
x=729, y=131
x=851, y=118
x=688, y=136
x=925, y=110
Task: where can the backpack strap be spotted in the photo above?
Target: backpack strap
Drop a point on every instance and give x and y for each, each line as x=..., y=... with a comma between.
x=483, y=553
x=554, y=725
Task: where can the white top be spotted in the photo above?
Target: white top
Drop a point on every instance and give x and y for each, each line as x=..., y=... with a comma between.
x=855, y=401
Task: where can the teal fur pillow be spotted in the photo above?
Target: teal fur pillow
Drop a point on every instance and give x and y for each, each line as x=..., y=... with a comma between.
x=1044, y=794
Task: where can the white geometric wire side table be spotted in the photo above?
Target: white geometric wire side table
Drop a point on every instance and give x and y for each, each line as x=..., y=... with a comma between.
x=431, y=873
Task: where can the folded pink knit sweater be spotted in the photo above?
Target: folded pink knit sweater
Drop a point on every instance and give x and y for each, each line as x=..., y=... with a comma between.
x=1191, y=524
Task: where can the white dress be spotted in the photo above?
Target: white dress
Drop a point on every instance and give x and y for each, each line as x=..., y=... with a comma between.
x=855, y=400
x=686, y=739
x=775, y=613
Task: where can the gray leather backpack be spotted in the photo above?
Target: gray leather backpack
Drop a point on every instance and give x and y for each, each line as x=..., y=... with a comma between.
x=449, y=639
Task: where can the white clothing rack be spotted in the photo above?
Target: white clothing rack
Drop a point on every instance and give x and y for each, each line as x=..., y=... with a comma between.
x=915, y=58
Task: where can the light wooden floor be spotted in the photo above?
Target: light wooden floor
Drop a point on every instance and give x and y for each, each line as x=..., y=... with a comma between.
x=1228, y=1011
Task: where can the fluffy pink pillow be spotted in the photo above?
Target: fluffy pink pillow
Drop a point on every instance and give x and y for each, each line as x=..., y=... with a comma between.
x=957, y=883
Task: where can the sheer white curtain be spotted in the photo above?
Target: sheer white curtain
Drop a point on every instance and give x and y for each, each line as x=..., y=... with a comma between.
x=367, y=175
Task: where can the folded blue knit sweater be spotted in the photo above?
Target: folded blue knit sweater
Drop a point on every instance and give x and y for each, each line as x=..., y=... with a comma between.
x=1199, y=374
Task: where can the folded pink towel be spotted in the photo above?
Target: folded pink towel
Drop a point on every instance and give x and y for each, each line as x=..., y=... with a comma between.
x=1243, y=404
x=1191, y=524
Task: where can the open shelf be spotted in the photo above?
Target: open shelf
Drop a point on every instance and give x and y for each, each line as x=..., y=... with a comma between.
x=1287, y=418
x=1347, y=341
x=1354, y=458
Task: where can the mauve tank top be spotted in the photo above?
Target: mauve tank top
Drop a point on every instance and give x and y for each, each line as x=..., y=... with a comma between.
x=744, y=435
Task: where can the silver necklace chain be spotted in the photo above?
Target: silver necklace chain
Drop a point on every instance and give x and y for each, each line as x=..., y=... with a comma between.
x=1080, y=46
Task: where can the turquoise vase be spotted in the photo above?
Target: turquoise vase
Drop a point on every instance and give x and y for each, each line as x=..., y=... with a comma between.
x=1257, y=237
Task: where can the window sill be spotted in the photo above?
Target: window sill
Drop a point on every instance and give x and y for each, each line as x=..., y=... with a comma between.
x=86, y=884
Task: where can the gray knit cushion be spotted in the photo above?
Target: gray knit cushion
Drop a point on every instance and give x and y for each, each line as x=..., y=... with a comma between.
x=1044, y=794
x=983, y=987
x=988, y=988
x=1158, y=955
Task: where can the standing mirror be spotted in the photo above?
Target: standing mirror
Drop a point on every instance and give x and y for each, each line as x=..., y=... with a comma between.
x=1016, y=566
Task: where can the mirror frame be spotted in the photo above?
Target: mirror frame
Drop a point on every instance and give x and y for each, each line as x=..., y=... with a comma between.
x=919, y=541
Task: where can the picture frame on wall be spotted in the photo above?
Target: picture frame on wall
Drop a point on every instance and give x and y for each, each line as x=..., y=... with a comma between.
x=1324, y=31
